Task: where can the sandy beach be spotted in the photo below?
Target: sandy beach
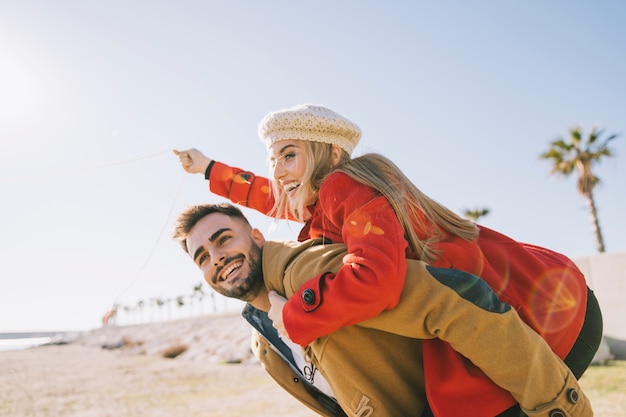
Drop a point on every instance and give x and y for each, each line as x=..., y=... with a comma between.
x=215, y=376
x=83, y=381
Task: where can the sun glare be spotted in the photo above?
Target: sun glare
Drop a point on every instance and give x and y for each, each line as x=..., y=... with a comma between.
x=19, y=92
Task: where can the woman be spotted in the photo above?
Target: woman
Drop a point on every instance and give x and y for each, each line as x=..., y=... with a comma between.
x=369, y=204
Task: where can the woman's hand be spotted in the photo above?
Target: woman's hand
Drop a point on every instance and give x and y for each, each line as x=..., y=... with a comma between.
x=277, y=302
x=193, y=161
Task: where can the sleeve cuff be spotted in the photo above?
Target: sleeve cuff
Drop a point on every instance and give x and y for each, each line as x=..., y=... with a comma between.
x=570, y=402
x=207, y=173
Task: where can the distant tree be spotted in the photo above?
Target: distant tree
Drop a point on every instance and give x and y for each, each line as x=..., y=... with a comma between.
x=180, y=302
x=198, y=293
x=168, y=303
x=140, y=305
x=152, y=305
x=160, y=303
x=213, y=300
x=127, y=313
x=581, y=153
x=475, y=214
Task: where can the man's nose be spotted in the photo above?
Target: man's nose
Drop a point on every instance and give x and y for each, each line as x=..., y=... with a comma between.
x=217, y=256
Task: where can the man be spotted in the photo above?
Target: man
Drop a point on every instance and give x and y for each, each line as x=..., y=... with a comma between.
x=375, y=368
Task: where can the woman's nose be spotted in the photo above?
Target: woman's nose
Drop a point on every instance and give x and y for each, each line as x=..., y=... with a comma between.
x=279, y=172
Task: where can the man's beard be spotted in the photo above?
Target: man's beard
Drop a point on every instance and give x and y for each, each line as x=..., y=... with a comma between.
x=248, y=288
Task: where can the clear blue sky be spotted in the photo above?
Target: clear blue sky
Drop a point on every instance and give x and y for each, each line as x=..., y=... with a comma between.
x=463, y=96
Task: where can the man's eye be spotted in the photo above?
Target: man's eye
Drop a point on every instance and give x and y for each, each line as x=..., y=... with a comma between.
x=223, y=240
x=202, y=259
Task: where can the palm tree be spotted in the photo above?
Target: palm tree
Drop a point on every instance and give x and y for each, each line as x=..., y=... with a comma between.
x=475, y=214
x=580, y=154
x=180, y=302
x=140, y=305
x=160, y=303
x=198, y=292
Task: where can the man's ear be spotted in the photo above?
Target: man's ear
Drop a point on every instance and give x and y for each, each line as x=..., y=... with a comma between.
x=258, y=237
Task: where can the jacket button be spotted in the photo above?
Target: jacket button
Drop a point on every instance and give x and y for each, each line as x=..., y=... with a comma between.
x=572, y=395
x=308, y=296
x=557, y=413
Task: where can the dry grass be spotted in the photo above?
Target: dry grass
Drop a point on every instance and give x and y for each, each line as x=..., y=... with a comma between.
x=605, y=385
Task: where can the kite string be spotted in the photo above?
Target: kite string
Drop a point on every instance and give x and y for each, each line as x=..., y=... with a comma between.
x=152, y=252
x=91, y=168
x=53, y=174
x=126, y=161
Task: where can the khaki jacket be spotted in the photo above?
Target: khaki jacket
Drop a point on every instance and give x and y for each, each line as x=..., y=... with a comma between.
x=375, y=367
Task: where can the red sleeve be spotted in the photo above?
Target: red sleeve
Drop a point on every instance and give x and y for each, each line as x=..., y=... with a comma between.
x=241, y=187
x=373, y=272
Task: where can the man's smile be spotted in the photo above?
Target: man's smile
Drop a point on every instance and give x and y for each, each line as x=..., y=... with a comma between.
x=226, y=272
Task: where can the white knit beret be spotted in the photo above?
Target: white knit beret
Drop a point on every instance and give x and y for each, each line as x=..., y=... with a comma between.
x=309, y=122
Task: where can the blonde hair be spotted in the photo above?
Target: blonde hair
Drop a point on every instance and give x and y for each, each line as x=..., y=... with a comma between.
x=418, y=214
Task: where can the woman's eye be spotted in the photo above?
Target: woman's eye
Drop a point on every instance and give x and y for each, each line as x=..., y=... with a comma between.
x=290, y=156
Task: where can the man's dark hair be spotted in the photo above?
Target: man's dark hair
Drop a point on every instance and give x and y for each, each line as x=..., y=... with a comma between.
x=189, y=217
